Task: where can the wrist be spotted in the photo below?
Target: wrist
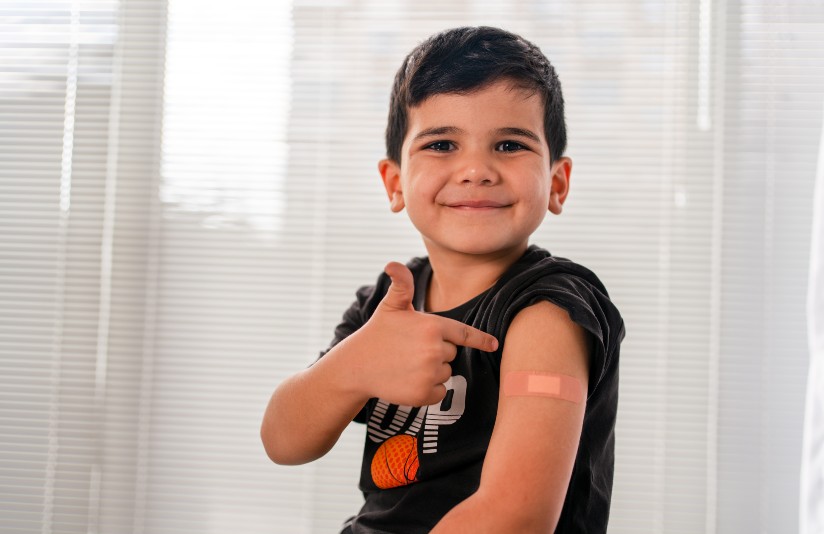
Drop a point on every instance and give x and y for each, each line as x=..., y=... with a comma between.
x=346, y=370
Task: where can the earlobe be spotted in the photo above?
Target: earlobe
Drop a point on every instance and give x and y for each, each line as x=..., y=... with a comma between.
x=559, y=189
x=391, y=176
x=396, y=203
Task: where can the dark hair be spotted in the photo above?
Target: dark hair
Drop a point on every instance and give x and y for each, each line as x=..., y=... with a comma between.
x=462, y=60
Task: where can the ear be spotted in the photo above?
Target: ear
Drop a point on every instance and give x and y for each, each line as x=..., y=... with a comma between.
x=561, y=171
x=391, y=176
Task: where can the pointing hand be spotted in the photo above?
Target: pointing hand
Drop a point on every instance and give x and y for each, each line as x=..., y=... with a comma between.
x=403, y=355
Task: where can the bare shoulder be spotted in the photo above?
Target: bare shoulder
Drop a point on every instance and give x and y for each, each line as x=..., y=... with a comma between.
x=542, y=337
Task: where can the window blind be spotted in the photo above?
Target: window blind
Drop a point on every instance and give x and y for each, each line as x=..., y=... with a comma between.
x=189, y=199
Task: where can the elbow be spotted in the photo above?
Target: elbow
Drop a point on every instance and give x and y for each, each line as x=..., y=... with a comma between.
x=275, y=450
x=272, y=451
x=274, y=436
x=284, y=451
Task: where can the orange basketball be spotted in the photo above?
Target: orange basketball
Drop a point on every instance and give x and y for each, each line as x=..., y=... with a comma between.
x=396, y=462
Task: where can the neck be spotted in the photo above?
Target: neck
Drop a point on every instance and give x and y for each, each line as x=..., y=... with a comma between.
x=457, y=278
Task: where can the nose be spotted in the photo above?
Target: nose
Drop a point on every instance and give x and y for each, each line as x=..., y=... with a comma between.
x=477, y=169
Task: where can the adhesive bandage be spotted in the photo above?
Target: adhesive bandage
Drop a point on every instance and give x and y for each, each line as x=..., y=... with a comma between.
x=532, y=384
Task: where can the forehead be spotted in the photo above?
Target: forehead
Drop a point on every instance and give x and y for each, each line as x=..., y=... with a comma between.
x=495, y=106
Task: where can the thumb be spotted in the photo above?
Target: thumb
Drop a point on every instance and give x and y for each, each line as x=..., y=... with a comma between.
x=400, y=292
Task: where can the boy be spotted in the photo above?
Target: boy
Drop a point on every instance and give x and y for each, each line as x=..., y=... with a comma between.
x=487, y=373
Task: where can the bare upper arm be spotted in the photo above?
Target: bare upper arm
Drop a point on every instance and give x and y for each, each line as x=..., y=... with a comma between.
x=535, y=439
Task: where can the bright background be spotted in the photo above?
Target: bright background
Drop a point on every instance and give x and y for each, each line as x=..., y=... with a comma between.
x=189, y=199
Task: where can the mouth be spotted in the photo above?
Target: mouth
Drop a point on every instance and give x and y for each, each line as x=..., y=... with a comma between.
x=476, y=204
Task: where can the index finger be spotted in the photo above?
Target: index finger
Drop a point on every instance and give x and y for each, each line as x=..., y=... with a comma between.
x=464, y=335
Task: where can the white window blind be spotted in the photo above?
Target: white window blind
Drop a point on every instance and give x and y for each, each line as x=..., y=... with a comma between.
x=189, y=199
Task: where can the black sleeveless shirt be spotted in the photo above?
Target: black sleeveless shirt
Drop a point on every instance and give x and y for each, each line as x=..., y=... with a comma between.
x=419, y=462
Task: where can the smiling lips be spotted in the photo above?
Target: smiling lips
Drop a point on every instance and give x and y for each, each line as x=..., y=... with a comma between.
x=476, y=204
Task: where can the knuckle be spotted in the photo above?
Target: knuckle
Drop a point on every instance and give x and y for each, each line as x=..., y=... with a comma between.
x=450, y=352
x=421, y=397
x=435, y=395
x=444, y=353
x=431, y=329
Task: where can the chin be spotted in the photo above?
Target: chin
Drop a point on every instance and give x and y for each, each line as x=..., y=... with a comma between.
x=485, y=248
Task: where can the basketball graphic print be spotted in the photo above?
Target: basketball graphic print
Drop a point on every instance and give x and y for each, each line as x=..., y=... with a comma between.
x=396, y=462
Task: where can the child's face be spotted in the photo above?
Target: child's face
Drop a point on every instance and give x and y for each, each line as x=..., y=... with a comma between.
x=475, y=176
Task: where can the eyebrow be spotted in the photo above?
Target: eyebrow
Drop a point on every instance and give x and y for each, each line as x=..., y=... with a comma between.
x=529, y=134
x=436, y=131
x=452, y=130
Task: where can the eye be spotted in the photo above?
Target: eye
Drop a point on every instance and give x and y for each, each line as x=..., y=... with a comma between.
x=509, y=146
x=441, y=146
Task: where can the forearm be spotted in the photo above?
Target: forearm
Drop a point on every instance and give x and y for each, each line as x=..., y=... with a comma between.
x=308, y=411
x=480, y=515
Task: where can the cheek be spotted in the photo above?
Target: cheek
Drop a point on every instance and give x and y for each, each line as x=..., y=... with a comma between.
x=421, y=186
x=537, y=182
x=538, y=195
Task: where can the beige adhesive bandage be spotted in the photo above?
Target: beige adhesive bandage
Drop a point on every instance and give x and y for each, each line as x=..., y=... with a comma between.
x=531, y=384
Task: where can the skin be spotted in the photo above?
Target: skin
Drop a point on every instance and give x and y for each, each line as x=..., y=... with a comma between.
x=476, y=180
